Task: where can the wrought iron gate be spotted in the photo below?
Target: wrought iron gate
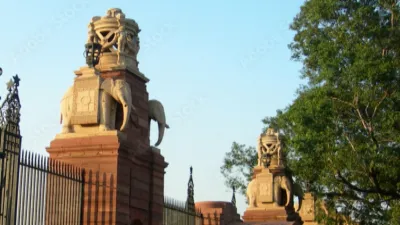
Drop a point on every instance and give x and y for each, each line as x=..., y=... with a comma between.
x=10, y=143
x=34, y=189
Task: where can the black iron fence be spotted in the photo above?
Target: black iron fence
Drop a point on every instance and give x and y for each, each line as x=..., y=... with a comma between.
x=49, y=192
x=185, y=213
x=177, y=213
x=45, y=191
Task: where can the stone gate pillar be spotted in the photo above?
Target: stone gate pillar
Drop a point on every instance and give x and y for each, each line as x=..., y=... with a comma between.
x=106, y=118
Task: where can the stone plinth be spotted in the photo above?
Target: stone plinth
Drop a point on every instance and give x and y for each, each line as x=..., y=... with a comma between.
x=124, y=175
x=278, y=214
x=263, y=205
x=218, y=213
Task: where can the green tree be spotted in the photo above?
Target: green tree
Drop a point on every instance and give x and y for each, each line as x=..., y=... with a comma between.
x=343, y=129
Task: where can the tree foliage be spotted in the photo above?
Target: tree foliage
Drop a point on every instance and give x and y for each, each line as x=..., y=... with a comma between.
x=343, y=129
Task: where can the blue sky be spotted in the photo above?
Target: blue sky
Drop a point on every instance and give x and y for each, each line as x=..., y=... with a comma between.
x=219, y=67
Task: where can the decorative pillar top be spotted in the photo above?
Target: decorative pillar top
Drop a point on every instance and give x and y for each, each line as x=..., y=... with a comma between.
x=233, y=201
x=119, y=38
x=269, y=149
x=190, y=197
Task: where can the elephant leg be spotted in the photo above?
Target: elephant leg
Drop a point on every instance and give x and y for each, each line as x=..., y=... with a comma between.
x=124, y=96
x=288, y=188
x=105, y=112
x=253, y=200
x=277, y=191
x=288, y=197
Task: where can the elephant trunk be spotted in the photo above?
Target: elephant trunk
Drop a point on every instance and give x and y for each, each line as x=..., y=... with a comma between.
x=156, y=112
x=300, y=203
x=161, y=129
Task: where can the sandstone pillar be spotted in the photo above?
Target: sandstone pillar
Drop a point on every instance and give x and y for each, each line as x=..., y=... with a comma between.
x=270, y=192
x=124, y=175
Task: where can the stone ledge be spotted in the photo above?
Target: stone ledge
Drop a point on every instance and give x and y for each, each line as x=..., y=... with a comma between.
x=117, y=133
x=269, y=215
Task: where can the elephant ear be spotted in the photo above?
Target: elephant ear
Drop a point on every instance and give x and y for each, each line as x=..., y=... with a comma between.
x=107, y=85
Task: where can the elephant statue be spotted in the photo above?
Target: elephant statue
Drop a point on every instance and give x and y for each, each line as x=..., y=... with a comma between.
x=251, y=193
x=156, y=112
x=111, y=91
x=282, y=182
x=121, y=92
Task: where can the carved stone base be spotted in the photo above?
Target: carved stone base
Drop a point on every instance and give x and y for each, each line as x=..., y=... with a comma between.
x=271, y=214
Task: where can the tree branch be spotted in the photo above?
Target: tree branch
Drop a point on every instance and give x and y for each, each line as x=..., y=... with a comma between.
x=379, y=103
x=370, y=191
x=344, y=102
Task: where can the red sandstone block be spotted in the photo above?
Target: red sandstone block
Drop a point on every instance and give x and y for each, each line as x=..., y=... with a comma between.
x=157, y=181
x=141, y=177
x=157, y=208
x=123, y=190
x=143, y=166
x=122, y=218
x=158, y=174
x=143, y=123
x=123, y=207
x=123, y=174
x=123, y=199
x=140, y=185
x=140, y=194
x=157, y=218
x=158, y=199
x=95, y=140
x=159, y=190
x=139, y=203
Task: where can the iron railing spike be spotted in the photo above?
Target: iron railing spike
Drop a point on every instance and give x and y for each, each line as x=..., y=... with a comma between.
x=76, y=172
x=35, y=159
x=50, y=164
x=28, y=157
x=42, y=162
x=22, y=157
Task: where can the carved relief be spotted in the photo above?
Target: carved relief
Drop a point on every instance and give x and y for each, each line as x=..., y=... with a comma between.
x=85, y=107
x=265, y=187
x=86, y=101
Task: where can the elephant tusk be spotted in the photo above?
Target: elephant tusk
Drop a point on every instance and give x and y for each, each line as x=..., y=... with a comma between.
x=127, y=112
